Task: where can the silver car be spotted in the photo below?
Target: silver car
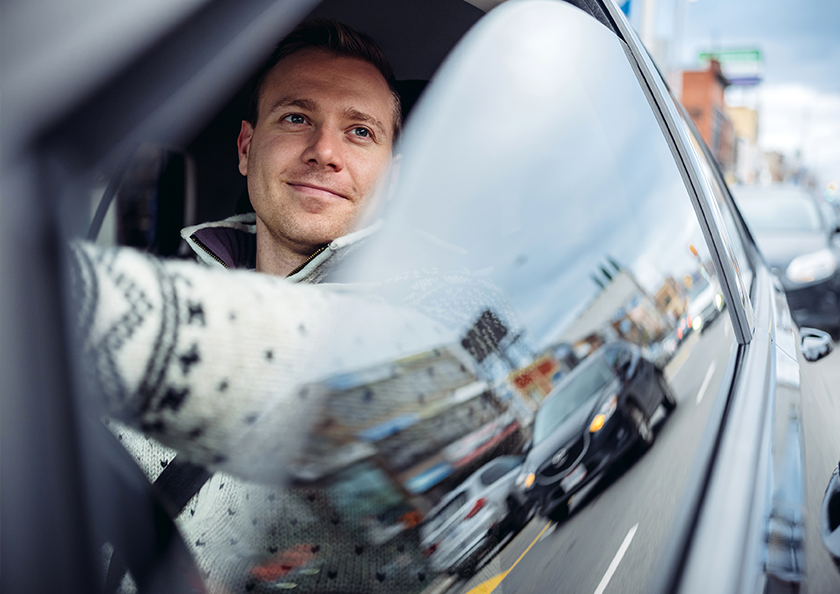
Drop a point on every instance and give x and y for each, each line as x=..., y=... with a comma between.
x=473, y=518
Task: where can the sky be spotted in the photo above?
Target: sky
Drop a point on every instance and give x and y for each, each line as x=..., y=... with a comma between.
x=799, y=98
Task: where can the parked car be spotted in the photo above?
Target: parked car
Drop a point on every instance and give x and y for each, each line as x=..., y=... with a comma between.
x=588, y=423
x=797, y=241
x=548, y=186
x=473, y=517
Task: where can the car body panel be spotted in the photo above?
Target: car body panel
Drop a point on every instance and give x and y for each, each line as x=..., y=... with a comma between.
x=458, y=541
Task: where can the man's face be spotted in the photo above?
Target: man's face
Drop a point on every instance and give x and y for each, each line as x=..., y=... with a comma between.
x=322, y=141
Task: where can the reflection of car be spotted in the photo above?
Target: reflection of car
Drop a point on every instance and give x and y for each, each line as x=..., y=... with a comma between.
x=472, y=518
x=704, y=306
x=588, y=422
x=796, y=241
x=662, y=352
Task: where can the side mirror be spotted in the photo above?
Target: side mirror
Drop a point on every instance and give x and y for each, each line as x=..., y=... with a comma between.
x=830, y=517
x=815, y=344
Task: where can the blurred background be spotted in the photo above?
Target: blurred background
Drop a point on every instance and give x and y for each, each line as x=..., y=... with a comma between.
x=761, y=80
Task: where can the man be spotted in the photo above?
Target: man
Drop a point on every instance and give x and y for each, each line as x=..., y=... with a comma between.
x=215, y=386
x=319, y=135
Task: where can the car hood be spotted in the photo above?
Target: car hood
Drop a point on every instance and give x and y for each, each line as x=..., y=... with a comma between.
x=780, y=248
x=574, y=425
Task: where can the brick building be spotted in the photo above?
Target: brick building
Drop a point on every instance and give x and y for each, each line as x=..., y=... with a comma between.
x=703, y=98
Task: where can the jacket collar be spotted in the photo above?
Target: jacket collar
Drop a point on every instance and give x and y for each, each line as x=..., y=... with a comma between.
x=232, y=243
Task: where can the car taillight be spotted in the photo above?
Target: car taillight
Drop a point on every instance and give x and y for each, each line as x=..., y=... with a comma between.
x=430, y=550
x=478, y=505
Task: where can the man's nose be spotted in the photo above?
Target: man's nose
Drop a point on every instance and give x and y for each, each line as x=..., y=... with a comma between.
x=325, y=150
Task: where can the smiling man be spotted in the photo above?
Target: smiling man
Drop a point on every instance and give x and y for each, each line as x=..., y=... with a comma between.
x=319, y=135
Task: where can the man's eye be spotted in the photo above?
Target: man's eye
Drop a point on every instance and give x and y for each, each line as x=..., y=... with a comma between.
x=361, y=132
x=295, y=118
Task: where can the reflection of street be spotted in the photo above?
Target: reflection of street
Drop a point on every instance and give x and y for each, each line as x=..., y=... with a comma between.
x=614, y=535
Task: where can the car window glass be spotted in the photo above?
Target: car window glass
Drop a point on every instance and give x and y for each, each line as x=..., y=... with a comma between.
x=537, y=218
x=536, y=221
x=437, y=520
x=497, y=471
x=781, y=215
x=730, y=232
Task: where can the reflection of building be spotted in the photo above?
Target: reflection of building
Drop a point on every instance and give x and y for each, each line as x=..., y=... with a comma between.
x=670, y=301
x=622, y=310
x=777, y=166
x=425, y=421
x=535, y=381
x=702, y=96
x=750, y=163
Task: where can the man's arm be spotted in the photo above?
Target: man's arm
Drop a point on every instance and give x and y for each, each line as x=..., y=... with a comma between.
x=216, y=364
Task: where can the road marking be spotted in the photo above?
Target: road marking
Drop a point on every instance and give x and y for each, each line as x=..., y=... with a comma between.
x=547, y=533
x=683, y=351
x=490, y=585
x=706, y=381
x=616, y=560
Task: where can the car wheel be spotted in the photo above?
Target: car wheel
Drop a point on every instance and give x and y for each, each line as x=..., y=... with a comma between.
x=668, y=399
x=559, y=513
x=523, y=515
x=642, y=425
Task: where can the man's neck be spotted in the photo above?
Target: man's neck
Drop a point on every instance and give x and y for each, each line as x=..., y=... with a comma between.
x=275, y=258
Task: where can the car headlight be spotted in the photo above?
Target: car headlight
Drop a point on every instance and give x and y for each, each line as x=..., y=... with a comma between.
x=812, y=267
x=604, y=413
x=525, y=480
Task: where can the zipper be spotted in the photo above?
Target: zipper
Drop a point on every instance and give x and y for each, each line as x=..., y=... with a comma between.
x=206, y=249
x=308, y=260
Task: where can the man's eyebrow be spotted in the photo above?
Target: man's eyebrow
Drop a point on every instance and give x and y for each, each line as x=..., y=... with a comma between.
x=360, y=116
x=307, y=104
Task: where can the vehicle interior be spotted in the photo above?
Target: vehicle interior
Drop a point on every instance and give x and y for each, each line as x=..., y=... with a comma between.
x=163, y=187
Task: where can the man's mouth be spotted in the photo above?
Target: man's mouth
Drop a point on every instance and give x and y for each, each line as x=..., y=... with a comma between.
x=316, y=190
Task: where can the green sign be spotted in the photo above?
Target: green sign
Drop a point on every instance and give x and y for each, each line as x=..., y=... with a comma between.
x=729, y=56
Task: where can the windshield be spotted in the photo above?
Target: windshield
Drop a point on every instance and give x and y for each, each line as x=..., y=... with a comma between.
x=578, y=389
x=786, y=213
x=436, y=520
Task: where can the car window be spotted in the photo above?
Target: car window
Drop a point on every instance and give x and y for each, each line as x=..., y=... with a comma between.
x=779, y=215
x=536, y=217
x=577, y=389
x=731, y=231
x=439, y=518
x=498, y=470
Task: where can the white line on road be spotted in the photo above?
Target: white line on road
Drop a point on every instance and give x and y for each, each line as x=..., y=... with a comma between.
x=706, y=381
x=551, y=529
x=616, y=560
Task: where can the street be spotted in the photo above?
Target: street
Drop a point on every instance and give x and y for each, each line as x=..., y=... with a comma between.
x=613, y=538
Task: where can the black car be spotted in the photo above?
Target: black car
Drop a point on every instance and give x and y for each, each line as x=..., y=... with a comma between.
x=588, y=422
x=796, y=241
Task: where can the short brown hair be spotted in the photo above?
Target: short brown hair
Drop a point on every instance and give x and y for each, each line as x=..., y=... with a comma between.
x=330, y=36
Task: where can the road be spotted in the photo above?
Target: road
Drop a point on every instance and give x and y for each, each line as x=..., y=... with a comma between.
x=612, y=540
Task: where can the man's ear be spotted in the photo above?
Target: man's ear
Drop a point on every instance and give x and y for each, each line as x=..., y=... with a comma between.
x=243, y=145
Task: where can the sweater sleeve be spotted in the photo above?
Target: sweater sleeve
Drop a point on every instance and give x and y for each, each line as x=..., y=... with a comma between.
x=219, y=365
